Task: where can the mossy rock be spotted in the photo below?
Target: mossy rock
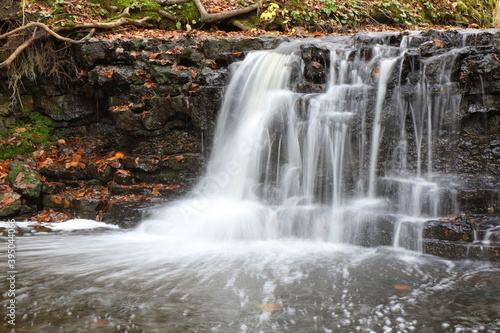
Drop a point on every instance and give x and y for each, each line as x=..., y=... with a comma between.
x=14, y=205
x=23, y=180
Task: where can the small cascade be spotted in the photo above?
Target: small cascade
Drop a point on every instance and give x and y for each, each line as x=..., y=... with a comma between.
x=349, y=158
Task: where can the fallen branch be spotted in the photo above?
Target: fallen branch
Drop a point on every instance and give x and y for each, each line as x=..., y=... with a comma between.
x=239, y=25
x=209, y=18
x=167, y=15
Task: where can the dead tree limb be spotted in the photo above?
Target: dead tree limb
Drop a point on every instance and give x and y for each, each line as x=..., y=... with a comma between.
x=210, y=18
x=239, y=25
x=167, y=15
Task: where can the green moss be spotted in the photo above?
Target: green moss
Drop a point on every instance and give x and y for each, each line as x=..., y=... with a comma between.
x=39, y=130
x=186, y=12
x=461, y=7
x=9, y=152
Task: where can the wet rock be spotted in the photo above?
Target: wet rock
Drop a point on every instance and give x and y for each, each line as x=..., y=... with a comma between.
x=457, y=227
x=461, y=250
x=79, y=202
x=111, y=75
x=124, y=177
x=10, y=204
x=60, y=172
x=53, y=187
x=126, y=212
x=65, y=107
x=316, y=62
x=216, y=48
x=126, y=119
x=24, y=180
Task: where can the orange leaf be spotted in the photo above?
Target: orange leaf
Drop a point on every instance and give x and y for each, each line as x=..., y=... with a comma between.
x=171, y=187
x=180, y=158
x=155, y=192
x=316, y=64
x=402, y=287
x=438, y=43
x=61, y=142
x=19, y=177
x=21, y=130
x=71, y=164
x=193, y=73
x=376, y=72
x=268, y=307
x=120, y=155
x=108, y=73
x=148, y=83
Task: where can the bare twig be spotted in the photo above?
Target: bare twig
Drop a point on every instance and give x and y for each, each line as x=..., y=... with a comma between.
x=167, y=15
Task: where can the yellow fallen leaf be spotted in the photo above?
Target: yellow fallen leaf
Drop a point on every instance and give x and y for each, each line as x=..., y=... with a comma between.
x=270, y=307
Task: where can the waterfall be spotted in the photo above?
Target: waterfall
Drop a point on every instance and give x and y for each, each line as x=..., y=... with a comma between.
x=337, y=165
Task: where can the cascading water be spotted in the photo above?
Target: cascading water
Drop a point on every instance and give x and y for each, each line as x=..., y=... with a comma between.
x=301, y=172
x=286, y=163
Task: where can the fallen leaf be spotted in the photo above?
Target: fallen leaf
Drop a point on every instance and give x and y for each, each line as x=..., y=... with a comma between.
x=270, y=307
x=316, y=64
x=438, y=43
x=193, y=73
x=19, y=177
x=119, y=155
x=149, y=83
x=180, y=158
x=20, y=130
x=402, y=287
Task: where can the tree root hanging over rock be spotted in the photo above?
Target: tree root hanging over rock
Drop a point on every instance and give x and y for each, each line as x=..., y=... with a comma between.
x=41, y=30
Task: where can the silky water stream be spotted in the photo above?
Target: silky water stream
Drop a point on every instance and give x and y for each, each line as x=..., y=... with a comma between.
x=269, y=240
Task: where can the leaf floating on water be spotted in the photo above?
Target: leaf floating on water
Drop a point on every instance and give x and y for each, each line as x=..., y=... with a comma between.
x=99, y=323
x=270, y=307
x=402, y=287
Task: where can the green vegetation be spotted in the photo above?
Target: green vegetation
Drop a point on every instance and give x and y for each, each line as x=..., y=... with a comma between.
x=36, y=130
x=284, y=15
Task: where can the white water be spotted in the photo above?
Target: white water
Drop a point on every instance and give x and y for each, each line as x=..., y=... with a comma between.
x=289, y=164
